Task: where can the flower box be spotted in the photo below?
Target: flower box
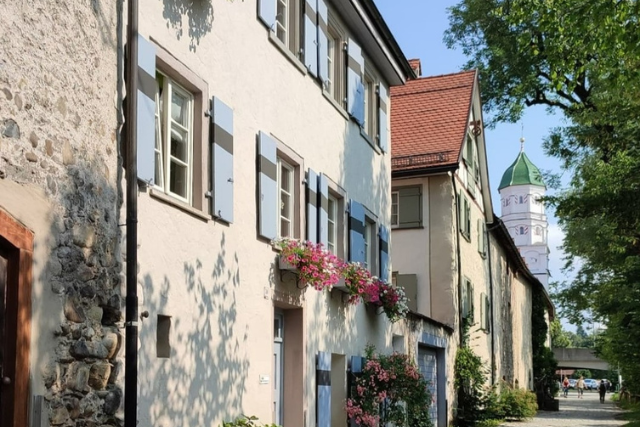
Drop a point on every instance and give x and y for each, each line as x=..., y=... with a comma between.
x=284, y=265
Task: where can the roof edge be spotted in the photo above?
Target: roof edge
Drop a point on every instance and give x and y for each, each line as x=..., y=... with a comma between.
x=374, y=13
x=502, y=234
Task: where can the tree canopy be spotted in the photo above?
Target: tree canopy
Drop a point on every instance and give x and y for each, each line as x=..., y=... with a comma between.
x=579, y=57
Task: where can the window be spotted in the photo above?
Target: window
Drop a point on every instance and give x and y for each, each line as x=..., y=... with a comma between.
x=482, y=238
x=406, y=207
x=286, y=199
x=395, y=217
x=332, y=215
x=467, y=300
x=370, y=244
x=174, y=138
x=289, y=24
x=336, y=84
x=464, y=214
x=485, y=313
x=370, y=105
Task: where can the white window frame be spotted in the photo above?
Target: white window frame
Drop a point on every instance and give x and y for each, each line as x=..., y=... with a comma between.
x=163, y=145
x=370, y=244
x=333, y=222
x=291, y=193
x=282, y=21
x=370, y=104
x=395, y=205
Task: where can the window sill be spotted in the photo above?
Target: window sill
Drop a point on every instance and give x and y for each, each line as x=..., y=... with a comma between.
x=335, y=104
x=467, y=237
x=156, y=194
x=287, y=53
x=370, y=141
x=416, y=227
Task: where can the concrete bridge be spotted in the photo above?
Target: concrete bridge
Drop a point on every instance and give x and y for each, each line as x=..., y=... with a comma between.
x=579, y=358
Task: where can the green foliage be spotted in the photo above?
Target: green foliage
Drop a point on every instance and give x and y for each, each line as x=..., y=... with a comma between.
x=579, y=58
x=518, y=404
x=585, y=373
x=390, y=390
x=244, y=421
x=469, y=380
x=544, y=362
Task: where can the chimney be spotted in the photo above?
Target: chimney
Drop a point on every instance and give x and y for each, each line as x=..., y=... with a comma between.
x=416, y=67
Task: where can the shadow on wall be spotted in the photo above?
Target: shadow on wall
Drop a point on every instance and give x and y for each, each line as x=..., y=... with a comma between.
x=83, y=270
x=199, y=14
x=204, y=377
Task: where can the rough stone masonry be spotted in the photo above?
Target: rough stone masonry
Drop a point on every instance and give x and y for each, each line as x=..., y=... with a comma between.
x=59, y=132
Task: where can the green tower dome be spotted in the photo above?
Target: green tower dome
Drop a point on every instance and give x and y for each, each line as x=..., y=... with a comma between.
x=521, y=172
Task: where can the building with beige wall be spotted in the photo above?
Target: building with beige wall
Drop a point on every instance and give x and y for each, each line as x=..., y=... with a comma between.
x=277, y=127
x=462, y=280
x=440, y=205
x=256, y=120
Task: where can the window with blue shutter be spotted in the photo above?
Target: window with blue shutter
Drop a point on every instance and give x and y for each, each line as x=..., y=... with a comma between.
x=355, y=86
x=311, y=37
x=356, y=232
x=267, y=186
x=312, y=206
x=384, y=253
x=323, y=382
x=267, y=13
x=323, y=42
x=323, y=210
x=222, y=160
x=383, y=133
x=146, y=110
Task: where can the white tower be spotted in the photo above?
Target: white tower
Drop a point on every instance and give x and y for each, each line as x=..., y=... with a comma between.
x=523, y=214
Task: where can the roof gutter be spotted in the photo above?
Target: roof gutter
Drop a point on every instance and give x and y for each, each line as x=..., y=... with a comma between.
x=425, y=171
x=373, y=12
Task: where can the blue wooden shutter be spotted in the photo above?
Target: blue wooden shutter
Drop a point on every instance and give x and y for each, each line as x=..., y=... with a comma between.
x=323, y=210
x=383, y=133
x=356, y=232
x=384, y=253
x=267, y=13
x=312, y=206
x=323, y=43
x=355, y=87
x=311, y=37
x=323, y=381
x=222, y=160
x=268, y=186
x=146, y=111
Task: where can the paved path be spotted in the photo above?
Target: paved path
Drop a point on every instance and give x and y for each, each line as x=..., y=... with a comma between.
x=574, y=412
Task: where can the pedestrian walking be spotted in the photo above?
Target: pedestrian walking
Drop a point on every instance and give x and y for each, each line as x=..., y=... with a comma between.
x=602, y=389
x=580, y=387
x=565, y=386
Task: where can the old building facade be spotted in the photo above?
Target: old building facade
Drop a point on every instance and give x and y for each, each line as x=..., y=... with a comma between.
x=59, y=213
x=468, y=285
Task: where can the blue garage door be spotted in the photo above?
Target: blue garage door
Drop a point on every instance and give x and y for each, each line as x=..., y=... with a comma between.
x=428, y=365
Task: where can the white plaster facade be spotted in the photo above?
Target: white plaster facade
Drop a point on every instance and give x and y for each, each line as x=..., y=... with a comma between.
x=219, y=283
x=524, y=216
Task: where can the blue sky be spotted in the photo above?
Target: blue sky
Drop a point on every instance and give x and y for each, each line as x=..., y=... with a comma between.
x=418, y=26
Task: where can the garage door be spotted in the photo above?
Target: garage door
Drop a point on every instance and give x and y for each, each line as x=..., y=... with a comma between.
x=429, y=370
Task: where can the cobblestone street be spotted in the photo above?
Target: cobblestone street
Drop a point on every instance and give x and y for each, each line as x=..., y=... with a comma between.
x=586, y=412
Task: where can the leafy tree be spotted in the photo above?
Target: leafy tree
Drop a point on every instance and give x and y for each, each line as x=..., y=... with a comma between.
x=559, y=337
x=578, y=57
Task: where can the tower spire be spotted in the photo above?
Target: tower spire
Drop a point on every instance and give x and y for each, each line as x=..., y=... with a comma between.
x=522, y=138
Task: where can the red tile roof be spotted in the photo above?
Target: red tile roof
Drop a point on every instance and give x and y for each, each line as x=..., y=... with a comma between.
x=429, y=119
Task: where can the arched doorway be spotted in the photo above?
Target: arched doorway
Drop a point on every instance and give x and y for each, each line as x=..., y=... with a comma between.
x=16, y=259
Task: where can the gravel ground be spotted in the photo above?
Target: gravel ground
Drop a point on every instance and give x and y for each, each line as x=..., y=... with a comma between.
x=574, y=412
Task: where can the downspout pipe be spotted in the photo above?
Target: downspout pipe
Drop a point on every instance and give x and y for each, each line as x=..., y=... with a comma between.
x=493, y=332
x=459, y=258
x=131, y=315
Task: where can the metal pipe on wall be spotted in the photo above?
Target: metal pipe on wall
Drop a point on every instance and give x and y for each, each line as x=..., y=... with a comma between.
x=131, y=315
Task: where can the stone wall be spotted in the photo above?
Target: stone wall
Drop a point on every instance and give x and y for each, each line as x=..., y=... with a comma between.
x=59, y=134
